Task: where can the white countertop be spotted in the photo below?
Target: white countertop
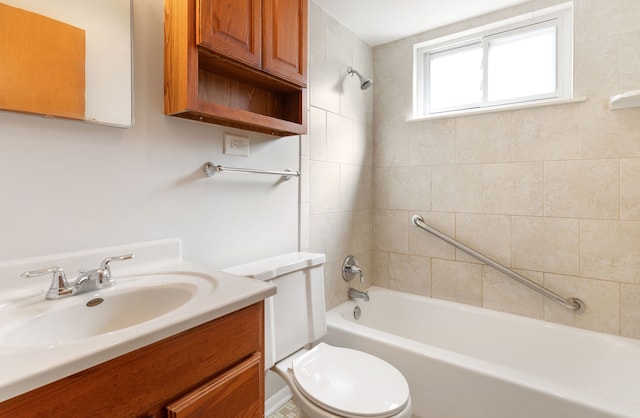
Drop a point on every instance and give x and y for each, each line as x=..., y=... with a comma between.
x=24, y=368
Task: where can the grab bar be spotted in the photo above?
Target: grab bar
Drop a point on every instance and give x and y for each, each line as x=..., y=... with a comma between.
x=210, y=169
x=574, y=304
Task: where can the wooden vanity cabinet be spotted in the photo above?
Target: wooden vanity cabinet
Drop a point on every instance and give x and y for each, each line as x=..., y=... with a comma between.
x=213, y=370
x=239, y=63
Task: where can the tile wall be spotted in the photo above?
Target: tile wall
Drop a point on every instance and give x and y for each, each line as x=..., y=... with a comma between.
x=553, y=192
x=336, y=195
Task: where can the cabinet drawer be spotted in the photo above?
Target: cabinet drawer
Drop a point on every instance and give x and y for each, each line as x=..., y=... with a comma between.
x=236, y=393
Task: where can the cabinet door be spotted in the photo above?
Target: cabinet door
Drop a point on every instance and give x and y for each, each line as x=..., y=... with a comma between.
x=284, y=39
x=231, y=28
x=236, y=393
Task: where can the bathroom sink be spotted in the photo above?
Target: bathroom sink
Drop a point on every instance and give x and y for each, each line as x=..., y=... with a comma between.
x=157, y=294
x=43, y=322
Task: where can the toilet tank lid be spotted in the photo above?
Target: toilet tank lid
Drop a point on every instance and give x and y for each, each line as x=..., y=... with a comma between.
x=273, y=267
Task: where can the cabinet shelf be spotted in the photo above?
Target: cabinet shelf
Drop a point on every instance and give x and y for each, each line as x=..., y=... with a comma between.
x=206, y=83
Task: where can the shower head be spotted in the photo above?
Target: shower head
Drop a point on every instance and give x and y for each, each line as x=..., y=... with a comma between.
x=365, y=83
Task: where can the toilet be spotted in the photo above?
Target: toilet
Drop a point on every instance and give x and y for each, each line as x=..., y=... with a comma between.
x=325, y=381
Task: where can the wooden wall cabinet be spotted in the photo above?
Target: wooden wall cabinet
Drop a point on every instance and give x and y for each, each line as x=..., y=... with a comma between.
x=213, y=370
x=239, y=63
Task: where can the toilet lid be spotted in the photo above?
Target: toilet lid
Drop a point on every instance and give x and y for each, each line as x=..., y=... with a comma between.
x=351, y=382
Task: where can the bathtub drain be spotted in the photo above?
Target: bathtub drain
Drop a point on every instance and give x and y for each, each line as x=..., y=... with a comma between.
x=357, y=312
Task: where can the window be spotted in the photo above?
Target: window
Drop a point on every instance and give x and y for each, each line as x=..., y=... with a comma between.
x=523, y=60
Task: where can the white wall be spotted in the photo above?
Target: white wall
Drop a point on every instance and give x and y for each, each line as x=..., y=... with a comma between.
x=67, y=186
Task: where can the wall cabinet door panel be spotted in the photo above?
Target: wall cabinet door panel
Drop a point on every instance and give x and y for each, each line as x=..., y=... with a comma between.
x=231, y=28
x=284, y=39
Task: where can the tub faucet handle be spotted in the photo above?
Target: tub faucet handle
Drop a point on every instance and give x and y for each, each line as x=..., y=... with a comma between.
x=350, y=268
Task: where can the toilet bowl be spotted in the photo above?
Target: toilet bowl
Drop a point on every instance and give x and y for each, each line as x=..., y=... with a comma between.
x=325, y=381
x=329, y=381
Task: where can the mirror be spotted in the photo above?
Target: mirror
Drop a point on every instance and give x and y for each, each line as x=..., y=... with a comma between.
x=108, y=70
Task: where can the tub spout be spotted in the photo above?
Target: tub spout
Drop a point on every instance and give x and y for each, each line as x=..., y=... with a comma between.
x=358, y=294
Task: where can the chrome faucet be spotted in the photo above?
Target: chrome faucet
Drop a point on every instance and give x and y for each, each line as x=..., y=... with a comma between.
x=87, y=281
x=358, y=294
x=350, y=269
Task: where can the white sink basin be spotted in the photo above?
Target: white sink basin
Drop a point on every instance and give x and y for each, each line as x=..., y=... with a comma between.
x=157, y=295
x=131, y=302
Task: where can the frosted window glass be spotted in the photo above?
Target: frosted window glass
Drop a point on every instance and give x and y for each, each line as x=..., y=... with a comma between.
x=455, y=78
x=522, y=65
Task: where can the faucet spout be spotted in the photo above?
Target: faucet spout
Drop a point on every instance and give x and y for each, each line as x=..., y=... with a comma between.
x=358, y=294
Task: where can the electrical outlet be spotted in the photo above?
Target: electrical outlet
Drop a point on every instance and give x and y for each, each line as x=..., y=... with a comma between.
x=236, y=145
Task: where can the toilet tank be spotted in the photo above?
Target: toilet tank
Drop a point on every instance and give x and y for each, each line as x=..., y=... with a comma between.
x=295, y=315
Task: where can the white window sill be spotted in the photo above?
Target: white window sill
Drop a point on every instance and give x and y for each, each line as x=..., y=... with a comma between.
x=502, y=108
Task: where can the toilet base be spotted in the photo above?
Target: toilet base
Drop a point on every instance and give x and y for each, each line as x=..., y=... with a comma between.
x=307, y=408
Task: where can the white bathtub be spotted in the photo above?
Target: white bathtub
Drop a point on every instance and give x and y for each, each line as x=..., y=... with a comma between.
x=467, y=362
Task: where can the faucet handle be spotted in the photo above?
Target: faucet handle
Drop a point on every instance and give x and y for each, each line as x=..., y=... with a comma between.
x=105, y=268
x=350, y=269
x=59, y=283
x=105, y=263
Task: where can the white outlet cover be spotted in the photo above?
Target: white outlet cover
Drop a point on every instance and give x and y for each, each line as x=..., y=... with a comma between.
x=236, y=145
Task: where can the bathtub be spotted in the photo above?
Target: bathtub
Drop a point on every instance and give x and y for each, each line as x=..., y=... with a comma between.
x=467, y=362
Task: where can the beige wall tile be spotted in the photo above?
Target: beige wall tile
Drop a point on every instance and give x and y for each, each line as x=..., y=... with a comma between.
x=630, y=189
x=484, y=138
x=434, y=142
x=609, y=250
x=324, y=187
x=602, y=300
x=335, y=288
x=425, y=244
x=630, y=310
x=597, y=19
x=305, y=181
x=597, y=69
x=456, y=281
x=304, y=243
x=381, y=269
x=391, y=230
x=355, y=187
x=340, y=235
x=323, y=76
x=489, y=235
x=391, y=148
x=382, y=186
x=410, y=274
x=339, y=139
x=629, y=57
x=457, y=188
x=546, y=244
x=362, y=240
x=318, y=233
x=546, y=133
x=582, y=189
x=609, y=134
x=502, y=293
x=410, y=188
x=318, y=134
x=362, y=145
x=514, y=189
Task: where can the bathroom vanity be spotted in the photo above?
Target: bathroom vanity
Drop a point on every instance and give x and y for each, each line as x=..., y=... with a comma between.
x=203, y=357
x=215, y=369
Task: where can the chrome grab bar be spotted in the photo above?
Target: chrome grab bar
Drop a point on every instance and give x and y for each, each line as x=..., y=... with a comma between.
x=210, y=169
x=574, y=304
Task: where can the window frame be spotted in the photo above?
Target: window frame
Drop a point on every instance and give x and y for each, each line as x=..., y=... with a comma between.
x=560, y=16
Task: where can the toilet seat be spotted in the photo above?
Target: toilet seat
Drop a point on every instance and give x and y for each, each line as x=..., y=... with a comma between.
x=350, y=383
